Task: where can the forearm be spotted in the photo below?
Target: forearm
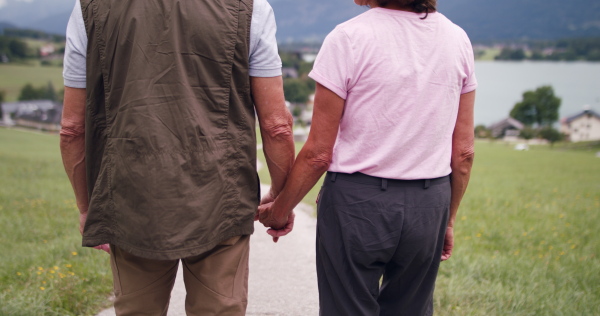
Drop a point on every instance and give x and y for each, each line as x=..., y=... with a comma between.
x=72, y=144
x=461, y=173
x=463, y=152
x=72, y=148
x=279, y=150
x=308, y=169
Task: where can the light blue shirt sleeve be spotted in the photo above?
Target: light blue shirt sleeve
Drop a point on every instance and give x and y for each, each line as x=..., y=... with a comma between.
x=75, y=50
x=264, y=56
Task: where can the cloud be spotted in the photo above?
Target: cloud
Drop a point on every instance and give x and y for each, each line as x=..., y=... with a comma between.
x=2, y=3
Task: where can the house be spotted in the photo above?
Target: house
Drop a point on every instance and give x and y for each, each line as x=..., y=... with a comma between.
x=584, y=126
x=508, y=127
x=289, y=72
x=38, y=114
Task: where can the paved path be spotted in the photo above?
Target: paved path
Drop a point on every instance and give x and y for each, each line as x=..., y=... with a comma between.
x=283, y=281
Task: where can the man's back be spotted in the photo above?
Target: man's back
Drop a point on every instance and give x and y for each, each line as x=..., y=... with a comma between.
x=170, y=124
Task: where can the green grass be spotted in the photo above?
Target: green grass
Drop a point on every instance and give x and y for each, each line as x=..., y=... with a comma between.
x=43, y=269
x=14, y=76
x=527, y=238
x=489, y=54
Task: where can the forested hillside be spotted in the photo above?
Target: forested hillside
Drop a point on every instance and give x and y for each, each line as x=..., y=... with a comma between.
x=311, y=20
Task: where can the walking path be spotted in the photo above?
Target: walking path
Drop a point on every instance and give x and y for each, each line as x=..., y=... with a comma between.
x=283, y=280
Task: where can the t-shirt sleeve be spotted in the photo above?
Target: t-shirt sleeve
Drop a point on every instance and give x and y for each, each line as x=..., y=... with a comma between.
x=470, y=81
x=334, y=64
x=264, y=56
x=74, y=71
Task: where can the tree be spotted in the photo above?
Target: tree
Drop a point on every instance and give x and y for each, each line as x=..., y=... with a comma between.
x=550, y=134
x=527, y=133
x=29, y=92
x=539, y=106
x=482, y=132
x=296, y=90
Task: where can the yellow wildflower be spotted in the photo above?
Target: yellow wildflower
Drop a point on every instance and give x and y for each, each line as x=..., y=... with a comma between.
x=42, y=288
x=68, y=265
x=18, y=273
x=74, y=253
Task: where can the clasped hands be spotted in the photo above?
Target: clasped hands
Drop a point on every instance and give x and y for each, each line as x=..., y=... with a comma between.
x=279, y=222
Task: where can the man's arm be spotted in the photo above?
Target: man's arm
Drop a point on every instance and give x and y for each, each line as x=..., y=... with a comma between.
x=72, y=146
x=72, y=149
x=276, y=130
x=463, y=153
x=312, y=161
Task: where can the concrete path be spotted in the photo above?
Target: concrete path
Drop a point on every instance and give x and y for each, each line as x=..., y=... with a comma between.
x=283, y=280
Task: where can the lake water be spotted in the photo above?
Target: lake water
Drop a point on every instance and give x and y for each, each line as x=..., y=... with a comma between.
x=501, y=85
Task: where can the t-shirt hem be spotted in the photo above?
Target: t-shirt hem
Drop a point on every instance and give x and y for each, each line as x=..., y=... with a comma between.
x=74, y=83
x=328, y=84
x=469, y=88
x=265, y=73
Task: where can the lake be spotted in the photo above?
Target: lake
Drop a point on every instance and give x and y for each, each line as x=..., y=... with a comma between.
x=501, y=85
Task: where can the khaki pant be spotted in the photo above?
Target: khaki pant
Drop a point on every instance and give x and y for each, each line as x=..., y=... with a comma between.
x=216, y=281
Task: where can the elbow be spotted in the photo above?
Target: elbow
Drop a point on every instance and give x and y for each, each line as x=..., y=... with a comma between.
x=462, y=160
x=69, y=133
x=278, y=127
x=319, y=160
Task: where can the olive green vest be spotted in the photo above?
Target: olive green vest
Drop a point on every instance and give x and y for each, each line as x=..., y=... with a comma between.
x=170, y=125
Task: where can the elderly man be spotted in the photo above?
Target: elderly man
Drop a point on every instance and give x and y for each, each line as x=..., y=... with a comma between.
x=159, y=142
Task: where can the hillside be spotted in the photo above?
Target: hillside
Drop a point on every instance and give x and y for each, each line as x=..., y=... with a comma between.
x=311, y=20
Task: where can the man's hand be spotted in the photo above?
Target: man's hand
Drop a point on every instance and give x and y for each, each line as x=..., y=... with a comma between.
x=82, y=219
x=278, y=225
x=448, y=244
x=268, y=198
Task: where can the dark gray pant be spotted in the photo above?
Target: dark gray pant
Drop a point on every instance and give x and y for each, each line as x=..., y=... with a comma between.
x=369, y=227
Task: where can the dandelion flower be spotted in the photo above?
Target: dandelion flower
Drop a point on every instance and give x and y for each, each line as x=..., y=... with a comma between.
x=42, y=288
x=40, y=268
x=68, y=265
x=18, y=273
x=74, y=253
x=55, y=268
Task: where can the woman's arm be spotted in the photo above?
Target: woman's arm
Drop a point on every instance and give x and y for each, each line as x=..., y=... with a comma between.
x=463, y=153
x=312, y=161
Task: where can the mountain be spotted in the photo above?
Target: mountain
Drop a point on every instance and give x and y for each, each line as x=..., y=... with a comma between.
x=5, y=25
x=486, y=20
x=312, y=20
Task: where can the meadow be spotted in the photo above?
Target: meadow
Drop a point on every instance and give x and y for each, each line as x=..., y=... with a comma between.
x=43, y=268
x=14, y=76
x=527, y=238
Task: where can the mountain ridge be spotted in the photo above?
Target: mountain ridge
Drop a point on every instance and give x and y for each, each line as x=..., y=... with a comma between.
x=312, y=20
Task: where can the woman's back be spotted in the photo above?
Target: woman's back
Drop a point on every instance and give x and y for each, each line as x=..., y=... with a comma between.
x=402, y=77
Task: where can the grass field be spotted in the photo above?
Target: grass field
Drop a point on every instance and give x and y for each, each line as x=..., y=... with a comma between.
x=13, y=77
x=527, y=238
x=43, y=269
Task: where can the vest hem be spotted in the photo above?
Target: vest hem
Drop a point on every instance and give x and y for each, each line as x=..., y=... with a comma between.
x=167, y=254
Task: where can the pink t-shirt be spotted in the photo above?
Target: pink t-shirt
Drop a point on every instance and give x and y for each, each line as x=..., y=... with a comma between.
x=402, y=78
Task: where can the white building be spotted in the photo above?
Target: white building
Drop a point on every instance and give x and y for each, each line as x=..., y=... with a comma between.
x=584, y=126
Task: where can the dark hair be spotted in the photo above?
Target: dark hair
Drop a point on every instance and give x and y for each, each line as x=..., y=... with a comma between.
x=419, y=6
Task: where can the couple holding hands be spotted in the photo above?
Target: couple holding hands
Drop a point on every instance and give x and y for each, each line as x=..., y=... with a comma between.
x=158, y=141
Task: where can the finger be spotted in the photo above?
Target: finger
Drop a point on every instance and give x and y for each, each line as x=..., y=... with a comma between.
x=275, y=239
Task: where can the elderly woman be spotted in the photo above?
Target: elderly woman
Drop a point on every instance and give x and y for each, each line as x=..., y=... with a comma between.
x=393, y=128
